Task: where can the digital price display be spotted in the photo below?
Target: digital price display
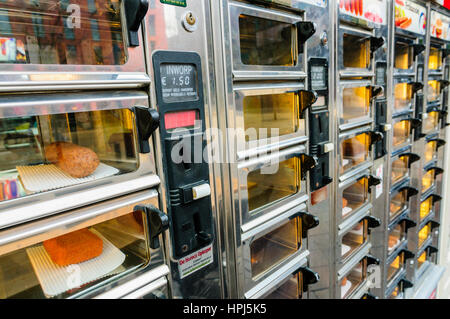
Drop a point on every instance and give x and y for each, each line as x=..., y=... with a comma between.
x=179, y=82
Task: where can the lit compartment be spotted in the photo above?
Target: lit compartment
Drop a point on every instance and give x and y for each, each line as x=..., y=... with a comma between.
x=356, y=102
x=355, y=196
x=430, y=122
x=47, y=152
x=354, y=239
x=398, y=203
x=354, y=151
x=265, y=189
x=267, y=42
x=400, y=169
x=396, y=236
x=291, y=289
x=403, y=96
x=424, y=234
x=404, y=57
x=78, y=258
x=356, y=51
x=274, y=247
x=425, y=207
x=353, y=279
x=435, y=59
x=434, y=91
x=430, y=150
x=395, y=267
x=401, y=132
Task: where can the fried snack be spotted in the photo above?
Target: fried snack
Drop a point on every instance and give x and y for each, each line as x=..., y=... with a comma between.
x=344, y=202
x=74, y=247
x=75, y=160
x=344, y=281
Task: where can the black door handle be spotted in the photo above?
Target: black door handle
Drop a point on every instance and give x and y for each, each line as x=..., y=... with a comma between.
x=305, y=30
x=309, y=221
x=417, y=49
x=409, y=223
x=135, y=11
x=307, y=99
x=410, y=191
x=407, y=254
x=309, y=277
x=147, y=121
x=412, y=158
x=372, y=222
x=157, y=221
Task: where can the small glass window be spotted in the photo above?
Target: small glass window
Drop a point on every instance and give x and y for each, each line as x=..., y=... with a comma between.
x=354, y=239
x=396, y=236
x=354, y=151
x=273, y=248
x=47, y=152
x=424, y=234
x=271, y=115
x=434, y=91
x=403, y=56
x=356, y=103
x=398, y=204
x=401, y=132
x=354, y=196
x=353, y=280
x=356, y=51
x=85, y=33
x=266, y=42
x=291, y=289
x=264, y=188
x=427, y=180
x=425, y=207
x=403, y=96
x=421, y=260
x=395, y=267
x=399, y=169
x=435, y=59
x=430, y=121
x=430, y=149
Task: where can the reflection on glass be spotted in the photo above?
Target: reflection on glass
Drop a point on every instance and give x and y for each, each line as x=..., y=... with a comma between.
x=113, y=247
x=395, y=237
x=422, y=258
x=425, y=207
x=353, y=239
x=352, y=281
x=403, y=56
x=434, y=91
x=395, y=267
x=401, y=132
x=395, y=293
x=33, y=32
x=356, y=103
x=403, y=96
x=356, y=51
x=435, y=59
x=430, y=122
x=354, y=196
x=273, y=248
x=291, y=289
x=354, y=151
x=271, y=113
x=430, y=149
x=427, y=180
x=42, y=153
x=266, y=42
x=399, y=169
x=424, y=233
x=265, y=188
x=398, y=203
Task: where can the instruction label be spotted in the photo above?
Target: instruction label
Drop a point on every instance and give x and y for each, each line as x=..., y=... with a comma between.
x=195, y=261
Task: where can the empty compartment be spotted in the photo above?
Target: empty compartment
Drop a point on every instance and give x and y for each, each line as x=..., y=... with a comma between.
x=354, y=151
x=291, y=289
x=356, y=103
x=435, y=59
x=271, y=115
x=434, y=91
x=398, y=204
x=403, y=96
x=401, y=132
x=423, y=235
x=356, y=51
x=355, y=196
x=353, y=279
x=267, y=42
x=354, y=239
x=274, y=247
x=404, y=57
x=266, y=187
x=395, y=267
x=396, y=236
x=427, y=180
x=430, y=121
x=430, y=151
x=425, y=207
x=400, y=169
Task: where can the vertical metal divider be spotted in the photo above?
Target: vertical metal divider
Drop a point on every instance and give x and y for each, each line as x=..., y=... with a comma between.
x=156, y=137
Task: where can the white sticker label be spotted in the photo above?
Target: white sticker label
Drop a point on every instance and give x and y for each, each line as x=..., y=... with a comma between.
x=379, y=187
x=410, y=16
x=195, y=261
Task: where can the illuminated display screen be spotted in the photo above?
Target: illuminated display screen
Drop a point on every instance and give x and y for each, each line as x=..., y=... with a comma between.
x=179, y=82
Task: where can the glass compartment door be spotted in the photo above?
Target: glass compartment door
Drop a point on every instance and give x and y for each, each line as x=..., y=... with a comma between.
x=59, y=141
x=353, y=239
x=434, y=91
x=430, y=121
x=355, y=196
x=101, y=243
x=404, y=55
x=76, y=32
x=401, y=133
x=403, y=96
x=435, y=59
